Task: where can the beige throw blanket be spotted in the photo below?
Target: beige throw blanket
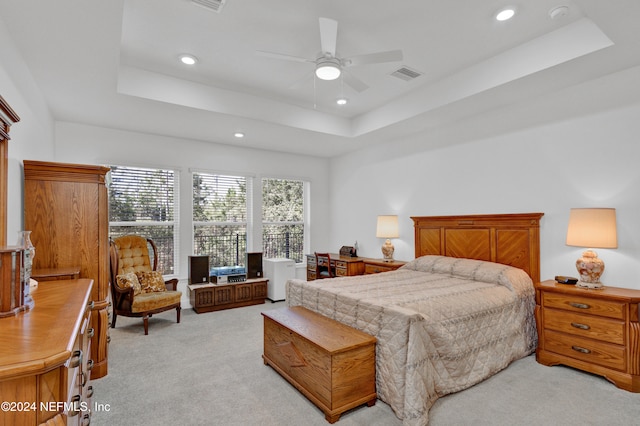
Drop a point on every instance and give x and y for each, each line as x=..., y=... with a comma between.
x=443, y=324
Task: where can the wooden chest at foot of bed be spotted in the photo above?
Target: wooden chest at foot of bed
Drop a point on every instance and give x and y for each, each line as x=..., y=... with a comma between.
x=330, y=363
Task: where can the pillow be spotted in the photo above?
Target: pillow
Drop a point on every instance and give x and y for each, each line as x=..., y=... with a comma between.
x=151, y=281
x=129, y=280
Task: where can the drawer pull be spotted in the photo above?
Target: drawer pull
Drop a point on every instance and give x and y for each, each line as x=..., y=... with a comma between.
x=91, y=333
x=76, y=359
x=581, y=350
x=89, y=391
x=84, y=379
x=579, y=305
x=75, y=403
x=580, y=326
x=91, y=305
x=90, y=365
x=86, y=420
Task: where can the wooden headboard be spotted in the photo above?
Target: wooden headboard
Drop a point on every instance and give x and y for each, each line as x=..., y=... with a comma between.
x=511, y=239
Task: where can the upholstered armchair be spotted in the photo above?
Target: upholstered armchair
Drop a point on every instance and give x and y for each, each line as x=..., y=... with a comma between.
x=137, y=289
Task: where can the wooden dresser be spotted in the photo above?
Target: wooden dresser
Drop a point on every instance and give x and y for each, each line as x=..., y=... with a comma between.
x=593, y=330
x=44, y=357
x=330, y=363
x=66, y=210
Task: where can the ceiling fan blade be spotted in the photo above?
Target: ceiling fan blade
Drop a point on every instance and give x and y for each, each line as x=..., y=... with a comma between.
x=328, y=36
x=354, y=82
x=274, y=55
x=373, y=58
x=302, y=82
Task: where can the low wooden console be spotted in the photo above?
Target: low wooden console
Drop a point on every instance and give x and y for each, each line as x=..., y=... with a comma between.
x=330, y=363
x=216, y=297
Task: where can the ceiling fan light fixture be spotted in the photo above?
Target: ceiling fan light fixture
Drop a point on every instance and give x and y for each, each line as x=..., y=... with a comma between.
x=328, y=69
x=342, y=101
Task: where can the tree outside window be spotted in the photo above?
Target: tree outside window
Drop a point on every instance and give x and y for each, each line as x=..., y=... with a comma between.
x=283, y=218
x=143, y=202
x=220, y=218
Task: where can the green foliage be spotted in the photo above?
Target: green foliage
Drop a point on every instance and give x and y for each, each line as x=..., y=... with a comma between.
x=282, y=200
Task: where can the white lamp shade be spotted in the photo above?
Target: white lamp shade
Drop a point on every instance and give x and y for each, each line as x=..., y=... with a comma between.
x=593, y=228
x=387, y=226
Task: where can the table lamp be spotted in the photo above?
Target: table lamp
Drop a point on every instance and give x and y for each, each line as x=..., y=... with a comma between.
x=387, y=228
x=593, y=228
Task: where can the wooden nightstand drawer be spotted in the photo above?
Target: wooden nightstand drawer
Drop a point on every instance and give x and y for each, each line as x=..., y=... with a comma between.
x=585, y=305
x=375, y=269
x=588, y=350
x=594, y=327
x=375, y=266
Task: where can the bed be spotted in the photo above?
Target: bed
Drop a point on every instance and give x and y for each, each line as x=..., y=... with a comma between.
x=460, y=312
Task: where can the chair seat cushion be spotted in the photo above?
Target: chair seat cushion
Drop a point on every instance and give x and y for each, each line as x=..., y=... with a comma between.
x=151, y=301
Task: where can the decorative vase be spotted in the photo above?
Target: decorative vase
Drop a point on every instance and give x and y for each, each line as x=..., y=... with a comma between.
x=24, y=241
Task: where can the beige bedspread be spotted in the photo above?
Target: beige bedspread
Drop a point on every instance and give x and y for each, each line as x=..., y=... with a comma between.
x=443, y=324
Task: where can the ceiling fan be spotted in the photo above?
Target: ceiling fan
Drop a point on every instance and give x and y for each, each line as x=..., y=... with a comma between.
x=328, y=66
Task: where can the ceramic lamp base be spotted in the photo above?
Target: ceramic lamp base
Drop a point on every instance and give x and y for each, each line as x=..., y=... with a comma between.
x=590, y=267
x=387, y=251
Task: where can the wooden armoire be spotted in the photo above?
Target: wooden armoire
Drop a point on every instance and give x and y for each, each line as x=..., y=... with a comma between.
x=66, y=210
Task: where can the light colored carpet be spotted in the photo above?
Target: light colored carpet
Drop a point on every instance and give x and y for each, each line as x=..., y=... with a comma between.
x=208, y=370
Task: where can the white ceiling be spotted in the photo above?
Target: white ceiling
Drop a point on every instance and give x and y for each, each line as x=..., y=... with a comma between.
x=115, y=64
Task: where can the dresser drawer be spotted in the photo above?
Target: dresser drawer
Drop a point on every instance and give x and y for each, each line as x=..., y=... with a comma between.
x=591, y=326
x=342, y=269
x=591, y=351
x=585, y=305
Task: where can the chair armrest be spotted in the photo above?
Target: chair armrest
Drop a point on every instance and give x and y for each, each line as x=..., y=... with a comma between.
x=172, y=283
x=121, y=290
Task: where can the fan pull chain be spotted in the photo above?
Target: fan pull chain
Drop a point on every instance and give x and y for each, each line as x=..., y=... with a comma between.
x=314, y=93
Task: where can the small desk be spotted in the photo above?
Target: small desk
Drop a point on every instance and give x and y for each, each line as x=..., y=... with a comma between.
x=345, y=266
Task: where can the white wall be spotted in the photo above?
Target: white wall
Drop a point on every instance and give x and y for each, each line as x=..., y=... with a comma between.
x=76, y=143
x=32, y=137
x=584, y=162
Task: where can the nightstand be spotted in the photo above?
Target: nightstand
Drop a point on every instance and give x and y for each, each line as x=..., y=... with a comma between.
x=593, y=330
x=375, y=266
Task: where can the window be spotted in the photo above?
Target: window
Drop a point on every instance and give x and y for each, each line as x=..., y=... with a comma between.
x=283, y=218
x=143, y=202
x=220, y=219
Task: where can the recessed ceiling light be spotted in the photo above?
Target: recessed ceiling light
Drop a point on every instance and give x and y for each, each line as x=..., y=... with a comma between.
x=505, y=14
x=342, y=101
x=188, y=59
x=558, y=12
x=239, y=135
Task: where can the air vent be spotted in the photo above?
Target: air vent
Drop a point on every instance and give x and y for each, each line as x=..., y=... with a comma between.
x=214, y=5
x=406, y=73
